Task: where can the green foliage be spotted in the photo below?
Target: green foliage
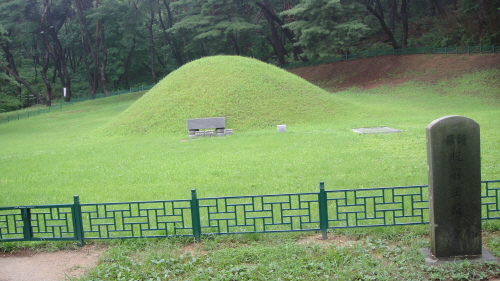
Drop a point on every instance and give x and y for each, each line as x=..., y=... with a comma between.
x=214, y=27
x=324, y=27
x=8, y=87
x=8, y=103
x=3, y=36
x=285, y=257
x=38, y=246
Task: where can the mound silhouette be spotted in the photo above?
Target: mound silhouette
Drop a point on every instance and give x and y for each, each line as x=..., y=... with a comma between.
x=249, y=93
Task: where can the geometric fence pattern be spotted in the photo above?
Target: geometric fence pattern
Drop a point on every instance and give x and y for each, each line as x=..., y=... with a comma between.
x=315, y=211
x=378, y=207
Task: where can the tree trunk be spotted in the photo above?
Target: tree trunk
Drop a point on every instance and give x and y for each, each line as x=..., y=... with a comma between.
x=404, y=17
x=26, y=84
x=168, y=40
x=267, y=9
x=436, y=4
x=104, y=61
x=61, y=63
x=10, y=62
x=127, y=65
x=381, y=20
x=88, y=49
x=188, y=59
x=235, y=45
x=441, y=10
x=149, y=25
x=279, y=50
x=9, y=57
x=392, y=15
x=56, y=52
x=48, y=95
x=45, y=68
x=481, y=18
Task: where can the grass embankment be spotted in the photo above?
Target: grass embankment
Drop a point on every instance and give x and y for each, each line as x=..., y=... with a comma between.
x=250, y=94
x=49, y=158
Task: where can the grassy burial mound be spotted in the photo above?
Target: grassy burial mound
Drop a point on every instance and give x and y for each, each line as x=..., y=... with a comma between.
x=249, y=93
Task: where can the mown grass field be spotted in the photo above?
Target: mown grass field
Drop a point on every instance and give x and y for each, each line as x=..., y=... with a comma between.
x=49, y=158
x=101, y=151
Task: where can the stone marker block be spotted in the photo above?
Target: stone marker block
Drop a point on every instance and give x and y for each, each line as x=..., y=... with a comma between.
x=200, y=133
x=281, y=128
x=206, y=123
x=228, y=131
x=454, y=174
x=192, y=133
x=219, y=132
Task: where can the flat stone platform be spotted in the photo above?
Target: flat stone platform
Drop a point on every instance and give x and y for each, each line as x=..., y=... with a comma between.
x=485, y=256
x=376, y=130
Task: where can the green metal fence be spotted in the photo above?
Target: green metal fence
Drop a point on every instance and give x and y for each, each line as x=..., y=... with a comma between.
x=403, y=51
x=38, y=111
x=30, y=113
x=195, y=217
x=110, y=94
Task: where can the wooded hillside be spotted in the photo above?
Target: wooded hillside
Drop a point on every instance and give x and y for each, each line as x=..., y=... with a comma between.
x=92, y=46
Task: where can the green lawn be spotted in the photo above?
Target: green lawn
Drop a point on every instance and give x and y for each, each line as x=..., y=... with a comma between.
x=49, y=158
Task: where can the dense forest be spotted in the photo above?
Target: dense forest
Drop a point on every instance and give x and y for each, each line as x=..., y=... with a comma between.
x=97, y=46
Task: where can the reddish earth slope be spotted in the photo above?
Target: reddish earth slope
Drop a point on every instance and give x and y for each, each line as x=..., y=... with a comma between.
x=393, y=70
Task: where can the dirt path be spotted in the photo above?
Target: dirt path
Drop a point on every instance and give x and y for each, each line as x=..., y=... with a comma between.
x=45, y=266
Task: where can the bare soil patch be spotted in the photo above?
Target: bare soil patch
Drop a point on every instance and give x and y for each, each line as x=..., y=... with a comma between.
x=394, y=70
x=45, y=266
x=340, y=241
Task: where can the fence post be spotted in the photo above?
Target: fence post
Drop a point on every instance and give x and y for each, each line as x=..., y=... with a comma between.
x=77, y=220
x=195, y=216
x=27, y=230
x=323, y=210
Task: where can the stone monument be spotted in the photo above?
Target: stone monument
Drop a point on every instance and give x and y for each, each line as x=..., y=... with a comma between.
x=454, y=173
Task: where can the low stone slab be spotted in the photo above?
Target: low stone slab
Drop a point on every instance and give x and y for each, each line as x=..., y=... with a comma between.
x=206, y=123
x=376, y=130
x=485, y=256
